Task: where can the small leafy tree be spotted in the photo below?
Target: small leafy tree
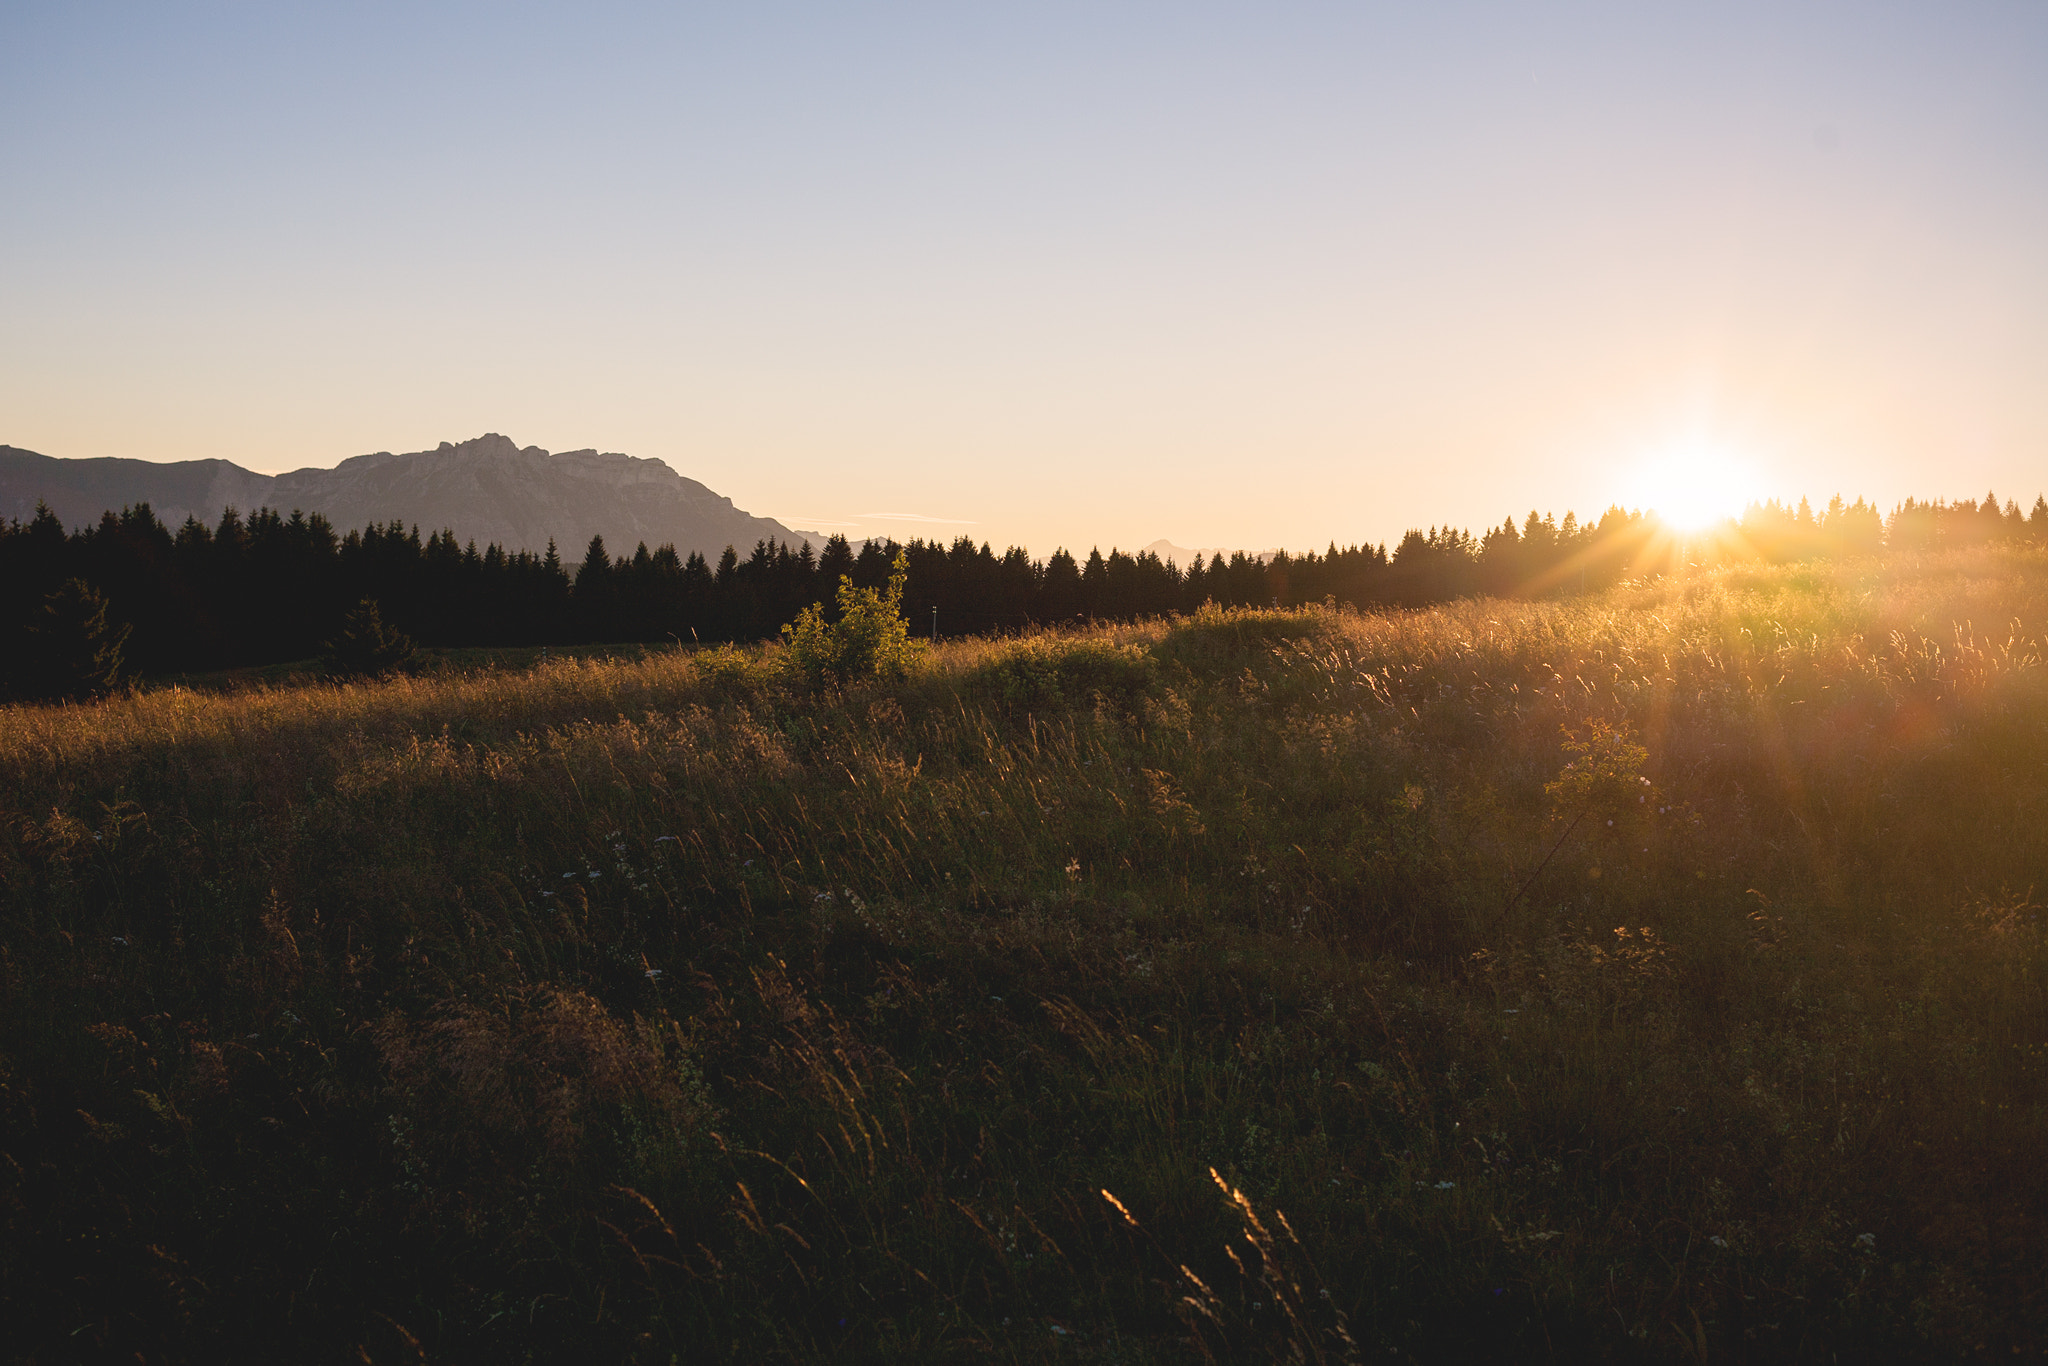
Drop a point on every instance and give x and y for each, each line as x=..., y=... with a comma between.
x=1602, y=780
x=366, y=647
x=869, y=640
x=74, y=651
x=1604, y=777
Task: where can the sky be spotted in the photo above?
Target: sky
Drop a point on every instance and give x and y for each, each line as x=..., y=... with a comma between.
x=1047, y=274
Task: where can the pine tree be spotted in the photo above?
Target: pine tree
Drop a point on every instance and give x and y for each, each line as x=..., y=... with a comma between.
x=74, y=653
x=366, y=648
x=1059, y=590
x=837, y=560
x=593, y=578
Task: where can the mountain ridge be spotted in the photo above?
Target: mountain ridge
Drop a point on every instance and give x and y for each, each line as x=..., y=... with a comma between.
x=1182, y=555
x=487, y=489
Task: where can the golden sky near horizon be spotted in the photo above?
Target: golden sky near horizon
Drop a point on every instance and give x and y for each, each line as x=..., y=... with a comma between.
x=1051, y=274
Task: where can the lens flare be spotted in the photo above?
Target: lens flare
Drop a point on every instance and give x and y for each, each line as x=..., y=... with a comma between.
x=1695, y=486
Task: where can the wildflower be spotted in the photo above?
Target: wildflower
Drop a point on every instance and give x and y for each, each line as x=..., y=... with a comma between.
x=1446, y=1185
x=1866, y=1242
x=664, y=839
x=652, y=974
x=1718, y=1241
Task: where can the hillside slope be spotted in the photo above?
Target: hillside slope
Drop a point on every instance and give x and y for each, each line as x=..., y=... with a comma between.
x=1650, y=976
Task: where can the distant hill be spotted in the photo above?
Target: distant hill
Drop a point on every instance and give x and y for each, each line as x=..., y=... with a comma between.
x=487, y=490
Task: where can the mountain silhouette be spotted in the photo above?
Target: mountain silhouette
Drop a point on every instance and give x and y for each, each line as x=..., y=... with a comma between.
x=486, y=490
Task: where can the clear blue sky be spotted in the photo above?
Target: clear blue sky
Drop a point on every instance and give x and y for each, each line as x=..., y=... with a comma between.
x=1243, y=275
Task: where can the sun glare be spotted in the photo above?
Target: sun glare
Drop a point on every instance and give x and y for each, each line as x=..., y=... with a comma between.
x=1693, y=487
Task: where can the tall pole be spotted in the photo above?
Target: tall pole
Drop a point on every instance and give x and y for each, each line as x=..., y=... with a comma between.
x=935, y=625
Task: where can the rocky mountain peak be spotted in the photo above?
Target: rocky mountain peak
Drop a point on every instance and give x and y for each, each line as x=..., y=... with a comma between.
x=487, y=489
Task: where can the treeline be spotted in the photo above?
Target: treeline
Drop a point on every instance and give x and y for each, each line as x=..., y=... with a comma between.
x=269, y=588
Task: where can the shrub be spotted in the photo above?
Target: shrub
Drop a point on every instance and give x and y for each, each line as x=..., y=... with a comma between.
x=735, y=672
x=869, y=640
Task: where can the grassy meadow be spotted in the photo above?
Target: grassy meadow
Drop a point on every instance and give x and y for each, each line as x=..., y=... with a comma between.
x=1655, y=975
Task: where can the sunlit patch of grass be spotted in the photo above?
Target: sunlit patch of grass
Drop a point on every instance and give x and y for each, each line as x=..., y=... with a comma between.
x=1646, y=974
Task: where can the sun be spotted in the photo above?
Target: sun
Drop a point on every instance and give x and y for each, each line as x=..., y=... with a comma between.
x=1695, y=486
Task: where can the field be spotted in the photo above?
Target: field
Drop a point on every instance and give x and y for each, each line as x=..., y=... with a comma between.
x=1655, y=975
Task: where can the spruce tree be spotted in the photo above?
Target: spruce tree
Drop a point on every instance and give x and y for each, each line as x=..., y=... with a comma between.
x=366, y=647
x=836, y=560
x=593, y=597
x=1059, y=588
x=74, y=652
x=593, y=578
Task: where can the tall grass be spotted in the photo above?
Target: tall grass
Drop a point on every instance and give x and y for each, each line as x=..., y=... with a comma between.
x=1655, y=975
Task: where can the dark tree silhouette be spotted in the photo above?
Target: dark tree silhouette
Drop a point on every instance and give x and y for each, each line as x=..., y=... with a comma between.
x=74, y=651
x=269, y=587
x=365, y=646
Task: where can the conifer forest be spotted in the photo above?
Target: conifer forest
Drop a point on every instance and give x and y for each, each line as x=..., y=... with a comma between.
x=270, y=588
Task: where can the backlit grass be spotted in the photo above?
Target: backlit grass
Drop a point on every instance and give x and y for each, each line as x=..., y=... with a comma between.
x=1251, y=984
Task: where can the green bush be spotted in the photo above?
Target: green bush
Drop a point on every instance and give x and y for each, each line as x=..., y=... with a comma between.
x=869, y=640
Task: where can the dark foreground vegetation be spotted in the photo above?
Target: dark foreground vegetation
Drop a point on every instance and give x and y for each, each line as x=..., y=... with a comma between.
x=1655, y=975
x=129, y=596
